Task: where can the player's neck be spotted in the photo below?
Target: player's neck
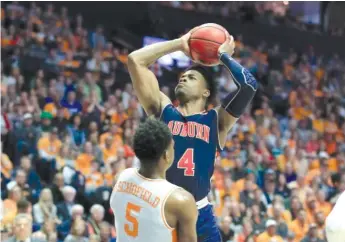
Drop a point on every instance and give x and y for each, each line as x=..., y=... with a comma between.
x=151, y=173
x=192, y=107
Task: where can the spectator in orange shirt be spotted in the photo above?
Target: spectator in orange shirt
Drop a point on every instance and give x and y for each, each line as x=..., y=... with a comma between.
x=6, y=165
x=113, y=132
x=84, y=160
x=49, y=146
x=120, y=116
x=324, y=206
x=270, y=233
x=321, y=168
x=299, y=226
x=331, y=144
x=109, y=150
x=239, y=185
x=331, y=126
x=10, y=206
x=69, y=62
x=95, y=178
x=318, y=122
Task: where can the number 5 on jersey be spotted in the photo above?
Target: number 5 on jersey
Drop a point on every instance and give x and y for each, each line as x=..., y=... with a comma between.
x=187, y=162
x=132, y=227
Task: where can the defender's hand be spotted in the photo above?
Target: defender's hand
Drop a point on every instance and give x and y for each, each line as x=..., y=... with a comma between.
x=228, y=46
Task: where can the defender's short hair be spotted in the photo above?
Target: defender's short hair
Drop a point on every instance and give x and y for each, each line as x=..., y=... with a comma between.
x=207, y=73
x=151, y=140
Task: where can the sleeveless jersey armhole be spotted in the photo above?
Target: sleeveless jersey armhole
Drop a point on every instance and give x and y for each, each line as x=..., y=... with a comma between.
x=163, y=208
x=163, y=110
x=219, y=148
x=113, y=191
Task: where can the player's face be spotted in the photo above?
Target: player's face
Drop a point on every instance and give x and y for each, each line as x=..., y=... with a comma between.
x=191, y=85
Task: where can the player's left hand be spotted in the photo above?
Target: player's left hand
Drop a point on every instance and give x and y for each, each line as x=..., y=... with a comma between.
x=228, y=46
x=185, y=39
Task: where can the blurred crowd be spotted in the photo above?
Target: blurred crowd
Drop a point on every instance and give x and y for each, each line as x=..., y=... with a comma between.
x=266, y=12
x=67, y=130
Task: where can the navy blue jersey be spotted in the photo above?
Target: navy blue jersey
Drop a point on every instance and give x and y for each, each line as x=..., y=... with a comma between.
x=196, y=143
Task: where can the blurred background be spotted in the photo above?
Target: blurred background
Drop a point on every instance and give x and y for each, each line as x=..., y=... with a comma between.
x=68, y=114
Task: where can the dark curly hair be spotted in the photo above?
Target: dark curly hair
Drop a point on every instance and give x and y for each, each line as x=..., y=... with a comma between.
x=151, y=140
x=207, y=73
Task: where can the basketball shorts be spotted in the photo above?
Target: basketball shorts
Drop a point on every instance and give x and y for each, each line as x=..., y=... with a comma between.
x=206, y=226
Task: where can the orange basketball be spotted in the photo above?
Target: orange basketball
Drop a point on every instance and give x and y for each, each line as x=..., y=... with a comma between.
x=205, y=41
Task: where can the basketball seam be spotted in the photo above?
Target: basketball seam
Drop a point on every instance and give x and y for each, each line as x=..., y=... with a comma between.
x=222, y=29
x=211, y=27
x=206, y=40
x=196, y=51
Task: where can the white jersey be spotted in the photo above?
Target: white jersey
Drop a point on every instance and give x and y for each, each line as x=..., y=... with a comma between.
x=335, y=226
x=138, y=206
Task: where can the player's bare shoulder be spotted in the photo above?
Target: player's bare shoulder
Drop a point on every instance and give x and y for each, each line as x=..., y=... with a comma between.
x=181, y=212
x=181, y=203
x=180, y=197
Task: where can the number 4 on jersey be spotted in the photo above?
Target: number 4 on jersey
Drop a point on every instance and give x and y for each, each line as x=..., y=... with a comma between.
x=187, y=162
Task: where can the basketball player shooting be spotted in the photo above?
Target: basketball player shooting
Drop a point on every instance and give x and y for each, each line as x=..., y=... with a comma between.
x=146, y=206
x=197, y=133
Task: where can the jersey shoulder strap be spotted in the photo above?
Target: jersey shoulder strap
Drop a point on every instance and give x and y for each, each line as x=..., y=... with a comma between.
x=125, y=174
x=167, y=109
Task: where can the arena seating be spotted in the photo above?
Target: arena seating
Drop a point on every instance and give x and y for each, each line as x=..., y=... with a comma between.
x=68, y=114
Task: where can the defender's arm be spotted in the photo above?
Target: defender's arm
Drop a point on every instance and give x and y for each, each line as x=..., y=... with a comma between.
x=187, y=215
x=181, y=210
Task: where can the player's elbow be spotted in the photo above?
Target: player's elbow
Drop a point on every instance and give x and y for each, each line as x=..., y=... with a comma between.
x=134, y=59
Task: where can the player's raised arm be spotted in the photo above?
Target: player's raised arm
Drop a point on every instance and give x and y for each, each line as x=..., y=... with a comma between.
x=144, y=81
x=181, y=206
x=235, y=102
